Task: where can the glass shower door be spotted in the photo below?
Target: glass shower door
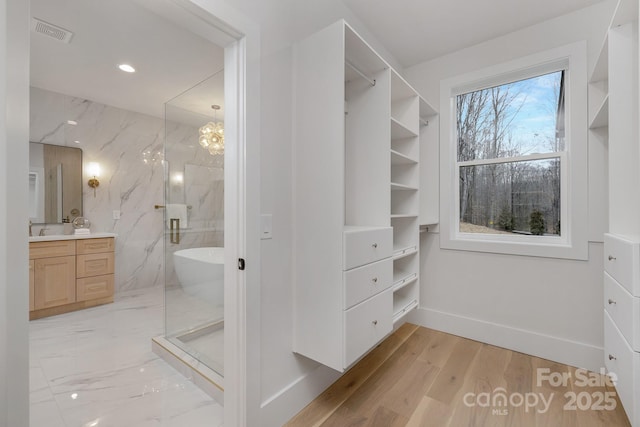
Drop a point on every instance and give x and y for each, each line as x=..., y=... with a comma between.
x=194, y=221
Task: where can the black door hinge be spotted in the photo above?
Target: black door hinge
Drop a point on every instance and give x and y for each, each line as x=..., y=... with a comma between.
x=241, y=263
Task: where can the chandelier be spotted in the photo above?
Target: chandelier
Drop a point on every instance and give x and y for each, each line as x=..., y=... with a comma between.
x=212, y=135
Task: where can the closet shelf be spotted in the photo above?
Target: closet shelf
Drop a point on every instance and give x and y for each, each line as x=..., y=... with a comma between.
x=411, y=215
x=400, y=131
x=601, y=118
x=402, y=309
x=402, y=187
x=404, y=251
x=399, y=284
x=398, y=158
x=601, y=70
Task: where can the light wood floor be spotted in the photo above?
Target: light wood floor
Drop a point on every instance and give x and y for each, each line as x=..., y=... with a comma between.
x=420, y=377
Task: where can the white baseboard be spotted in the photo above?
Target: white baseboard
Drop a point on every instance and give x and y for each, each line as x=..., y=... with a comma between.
x=282, y=406
x=560, y=350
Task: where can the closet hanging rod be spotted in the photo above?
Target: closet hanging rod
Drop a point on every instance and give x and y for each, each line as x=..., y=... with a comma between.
x=371, y=81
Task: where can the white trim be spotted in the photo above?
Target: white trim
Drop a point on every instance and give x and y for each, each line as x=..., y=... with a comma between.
x=573, y=243
x=295, y=396
x=498, y=160
x=558, y=349
x=14, y=246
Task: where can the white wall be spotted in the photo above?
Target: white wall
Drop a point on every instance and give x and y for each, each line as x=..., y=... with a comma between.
x=542, y=306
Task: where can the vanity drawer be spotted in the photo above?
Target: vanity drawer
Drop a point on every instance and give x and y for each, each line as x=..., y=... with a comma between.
x=94, y=246
x=620, y=360
x=363, y=282
x=366, y=246
x=624, y=310
x=90, y=288
x=51, y=249
x=622, y=262
x=366, y=324
x=95, y=264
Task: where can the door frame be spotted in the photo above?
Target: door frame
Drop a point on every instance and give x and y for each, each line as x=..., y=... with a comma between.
x=242, y=49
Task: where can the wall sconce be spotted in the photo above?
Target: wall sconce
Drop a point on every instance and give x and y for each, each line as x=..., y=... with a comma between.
x=93, y=169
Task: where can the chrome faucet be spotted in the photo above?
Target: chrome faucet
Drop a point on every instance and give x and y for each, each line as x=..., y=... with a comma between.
x=41, y=233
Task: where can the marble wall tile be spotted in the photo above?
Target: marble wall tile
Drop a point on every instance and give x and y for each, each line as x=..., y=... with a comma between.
x=130, y=149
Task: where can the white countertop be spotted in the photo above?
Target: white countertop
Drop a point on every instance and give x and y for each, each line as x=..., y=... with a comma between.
x=53, y=237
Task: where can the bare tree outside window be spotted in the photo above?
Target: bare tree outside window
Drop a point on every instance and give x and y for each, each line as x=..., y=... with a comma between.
x=510, y=145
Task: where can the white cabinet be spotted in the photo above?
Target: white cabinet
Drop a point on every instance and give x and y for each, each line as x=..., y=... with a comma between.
x=356, y=197
x=613, y=112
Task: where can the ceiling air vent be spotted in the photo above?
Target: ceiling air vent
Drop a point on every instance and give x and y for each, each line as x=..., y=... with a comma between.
x=51, y=30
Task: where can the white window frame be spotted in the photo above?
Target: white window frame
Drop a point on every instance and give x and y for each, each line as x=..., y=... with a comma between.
x=573, y=241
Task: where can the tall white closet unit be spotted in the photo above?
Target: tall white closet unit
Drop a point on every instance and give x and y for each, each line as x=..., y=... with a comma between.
x=614, y=114
x=356, y=197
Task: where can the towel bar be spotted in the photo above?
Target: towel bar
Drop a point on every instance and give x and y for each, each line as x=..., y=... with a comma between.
x=162, y=206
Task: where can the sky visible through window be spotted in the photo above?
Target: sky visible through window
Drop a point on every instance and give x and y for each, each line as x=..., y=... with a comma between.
x=534, y=110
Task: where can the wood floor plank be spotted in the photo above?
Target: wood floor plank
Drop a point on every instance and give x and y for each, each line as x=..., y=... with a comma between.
x=419, y=378
x=324, y=405
x=377, y=386
x=451, y=377
x=553, y=412
x=430, y=413
x=590, y=390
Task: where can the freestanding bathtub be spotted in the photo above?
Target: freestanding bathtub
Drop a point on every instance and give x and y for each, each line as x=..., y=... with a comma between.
x=200, y=272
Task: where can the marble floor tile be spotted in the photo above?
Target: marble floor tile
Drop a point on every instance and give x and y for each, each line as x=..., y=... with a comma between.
x=95, y=368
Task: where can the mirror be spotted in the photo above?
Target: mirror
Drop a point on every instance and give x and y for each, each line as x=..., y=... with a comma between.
x=55, y=183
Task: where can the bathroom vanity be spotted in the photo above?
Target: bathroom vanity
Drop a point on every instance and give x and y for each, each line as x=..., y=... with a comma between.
x=68, y=273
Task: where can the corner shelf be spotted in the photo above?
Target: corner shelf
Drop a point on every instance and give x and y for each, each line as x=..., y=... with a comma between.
x=400, y=131
x=601, y=117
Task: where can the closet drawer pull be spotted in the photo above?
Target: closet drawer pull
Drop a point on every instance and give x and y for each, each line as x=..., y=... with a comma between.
x=611, y=302
x=374, y=280
x=375, y=245
x=612, y=357
x=612, y=258
x=375, y=322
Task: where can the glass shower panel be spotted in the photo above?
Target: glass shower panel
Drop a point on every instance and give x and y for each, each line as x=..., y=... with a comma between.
x=194, y=221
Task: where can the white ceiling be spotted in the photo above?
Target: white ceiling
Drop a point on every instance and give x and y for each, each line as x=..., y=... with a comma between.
x=169, y=60
x=415, y=31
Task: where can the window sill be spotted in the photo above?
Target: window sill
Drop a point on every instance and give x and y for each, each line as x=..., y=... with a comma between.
x=533, y=246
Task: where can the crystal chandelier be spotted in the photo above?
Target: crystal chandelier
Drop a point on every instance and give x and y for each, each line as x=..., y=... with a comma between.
x=212, y=135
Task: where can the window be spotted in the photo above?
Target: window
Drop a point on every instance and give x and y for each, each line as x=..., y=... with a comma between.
x=514, y=157
x=510, y=146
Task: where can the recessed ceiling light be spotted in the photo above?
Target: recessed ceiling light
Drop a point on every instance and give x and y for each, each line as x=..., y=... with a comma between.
x=72, y=122
x=127, y=68
x=76, y=141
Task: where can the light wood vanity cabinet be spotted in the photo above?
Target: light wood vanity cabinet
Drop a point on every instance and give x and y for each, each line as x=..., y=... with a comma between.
x=68, y=275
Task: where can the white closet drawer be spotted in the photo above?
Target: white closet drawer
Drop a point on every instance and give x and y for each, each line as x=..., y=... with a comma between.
x=622, y=262
x=366, y=245
x=366, y=324
x=623, y=362
x=624, y=310
x=363, y=282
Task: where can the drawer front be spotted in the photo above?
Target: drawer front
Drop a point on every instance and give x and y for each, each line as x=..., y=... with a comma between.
x=363, y=282
x=619, y=359
x=367, y=246
x=94, y=246
x=90, y=288
x=624, y=310
x=51, y=249
x=366, y=324
x=622, y=261
x=95, y=264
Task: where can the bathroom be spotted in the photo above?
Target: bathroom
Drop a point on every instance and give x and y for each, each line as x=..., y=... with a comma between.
x=146, y=178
